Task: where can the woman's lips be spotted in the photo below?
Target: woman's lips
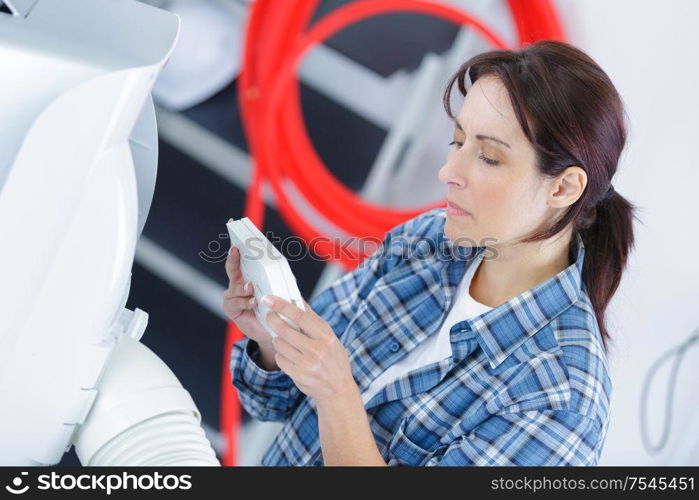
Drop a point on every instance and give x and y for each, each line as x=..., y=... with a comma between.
x=455, y=209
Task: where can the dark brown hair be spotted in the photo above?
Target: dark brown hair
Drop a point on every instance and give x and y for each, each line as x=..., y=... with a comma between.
x=571, y=113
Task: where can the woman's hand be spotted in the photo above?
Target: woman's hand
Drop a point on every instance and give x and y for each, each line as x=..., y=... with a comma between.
x=318, y=363
x=313, y=357
x=239, y=303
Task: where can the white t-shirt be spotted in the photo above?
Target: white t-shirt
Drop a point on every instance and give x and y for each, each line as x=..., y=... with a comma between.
x=437, y=346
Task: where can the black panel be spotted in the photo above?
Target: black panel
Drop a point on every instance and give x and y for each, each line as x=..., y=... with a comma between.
x=346, y=142
x=389, y=42
x=221, y=115
x=189, y=212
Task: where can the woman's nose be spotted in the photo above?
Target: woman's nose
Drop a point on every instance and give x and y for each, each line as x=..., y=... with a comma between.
x=448, y=174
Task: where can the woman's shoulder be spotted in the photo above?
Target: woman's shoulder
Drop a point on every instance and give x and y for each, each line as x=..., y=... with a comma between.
x=563, y=368
x=580, y=345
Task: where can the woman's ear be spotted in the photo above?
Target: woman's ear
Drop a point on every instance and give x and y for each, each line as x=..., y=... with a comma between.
x=568, y=187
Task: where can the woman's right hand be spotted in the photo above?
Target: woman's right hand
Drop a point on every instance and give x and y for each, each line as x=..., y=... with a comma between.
x=239, y=302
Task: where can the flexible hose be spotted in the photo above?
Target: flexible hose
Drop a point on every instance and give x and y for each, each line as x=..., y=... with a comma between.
x=276, y=40
x=141, y=415
x=160, y=441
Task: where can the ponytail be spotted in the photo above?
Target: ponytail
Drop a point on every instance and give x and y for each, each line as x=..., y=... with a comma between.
x=607, y=233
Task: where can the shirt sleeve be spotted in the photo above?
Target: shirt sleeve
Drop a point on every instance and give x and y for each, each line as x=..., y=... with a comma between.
x=265, y=395
x=526, y=438
x=272, y=395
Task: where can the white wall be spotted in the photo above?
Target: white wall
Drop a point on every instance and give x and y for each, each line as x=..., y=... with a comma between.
x=650, y=49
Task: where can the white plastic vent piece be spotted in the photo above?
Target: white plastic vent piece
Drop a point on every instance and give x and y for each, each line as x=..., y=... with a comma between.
x=67, y=140
x=267, y=269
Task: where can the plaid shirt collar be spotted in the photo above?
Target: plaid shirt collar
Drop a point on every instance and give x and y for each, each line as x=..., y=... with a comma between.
x=495, y=330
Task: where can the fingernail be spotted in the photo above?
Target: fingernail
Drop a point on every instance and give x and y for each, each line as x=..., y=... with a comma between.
x=252, y=301
x=248, y=286
x=268, y=300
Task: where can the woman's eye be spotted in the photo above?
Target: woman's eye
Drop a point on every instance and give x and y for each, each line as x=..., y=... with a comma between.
x=488, y=160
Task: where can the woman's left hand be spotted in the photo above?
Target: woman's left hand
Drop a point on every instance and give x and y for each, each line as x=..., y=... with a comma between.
x=313, y=357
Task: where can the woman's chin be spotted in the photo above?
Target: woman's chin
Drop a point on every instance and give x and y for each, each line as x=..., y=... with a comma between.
x=457, y=235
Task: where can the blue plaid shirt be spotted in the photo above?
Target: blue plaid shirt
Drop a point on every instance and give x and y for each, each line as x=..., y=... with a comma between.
x=527, y=382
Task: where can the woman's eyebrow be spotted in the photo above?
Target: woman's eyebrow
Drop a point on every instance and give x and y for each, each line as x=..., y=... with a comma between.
x=482, y=137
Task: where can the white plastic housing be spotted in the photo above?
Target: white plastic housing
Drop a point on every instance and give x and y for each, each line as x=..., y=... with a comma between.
x=77, y=164
x=267, y=269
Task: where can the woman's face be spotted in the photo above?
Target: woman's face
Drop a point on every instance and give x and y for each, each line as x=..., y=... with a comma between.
x=491, y=173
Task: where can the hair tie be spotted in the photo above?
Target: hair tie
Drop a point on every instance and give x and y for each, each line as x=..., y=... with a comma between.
x=609, y=193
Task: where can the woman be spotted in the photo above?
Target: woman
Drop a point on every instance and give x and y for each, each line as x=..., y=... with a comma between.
x=475, y=335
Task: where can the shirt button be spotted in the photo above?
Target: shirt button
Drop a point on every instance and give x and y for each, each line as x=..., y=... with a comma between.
x=394, y=346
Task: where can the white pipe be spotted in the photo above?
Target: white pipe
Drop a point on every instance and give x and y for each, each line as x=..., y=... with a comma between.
x=142, y=415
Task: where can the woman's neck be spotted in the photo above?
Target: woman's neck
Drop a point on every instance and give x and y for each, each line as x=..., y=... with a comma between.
x=516, y=268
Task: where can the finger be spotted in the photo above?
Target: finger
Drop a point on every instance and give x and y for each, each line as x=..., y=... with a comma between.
x=239, y=289
x=238, y=286
x=308, y=307
x=233, y=264
x=299, y=340
x=305, y=321
x=233, y=306
x=280, y=326
x=285, y=365
x=287, y=350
